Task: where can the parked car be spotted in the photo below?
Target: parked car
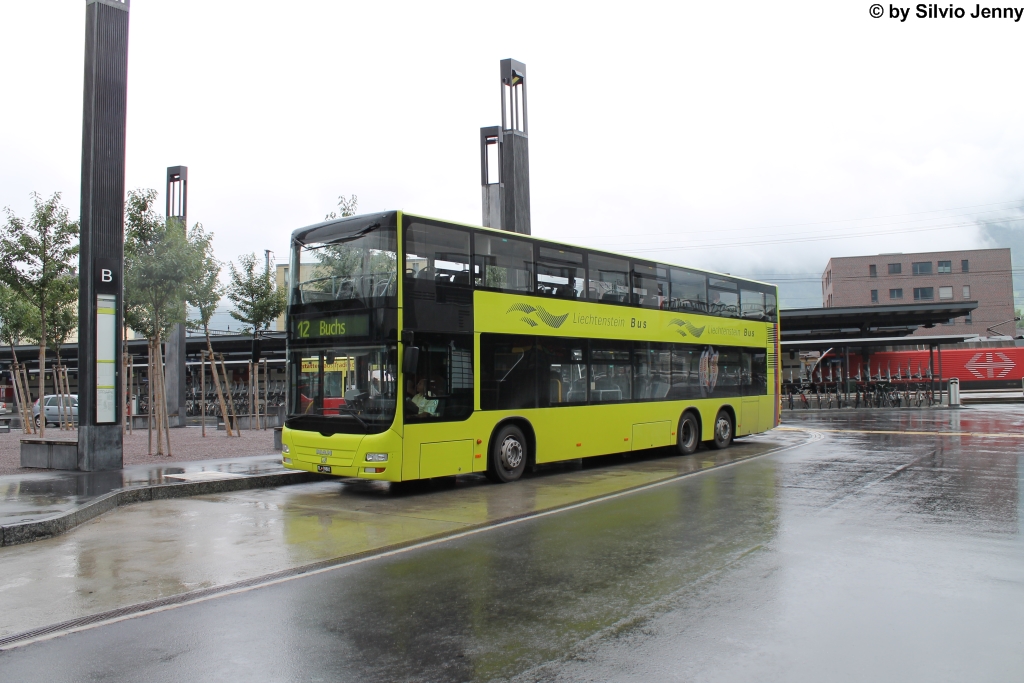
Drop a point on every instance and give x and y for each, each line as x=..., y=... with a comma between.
x=4, y=408
x=53, y=409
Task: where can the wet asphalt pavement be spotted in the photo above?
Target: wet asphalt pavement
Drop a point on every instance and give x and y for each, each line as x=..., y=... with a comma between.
x=882, y=550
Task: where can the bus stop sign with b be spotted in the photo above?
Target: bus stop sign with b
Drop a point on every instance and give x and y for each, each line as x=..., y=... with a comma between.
x=107, y=289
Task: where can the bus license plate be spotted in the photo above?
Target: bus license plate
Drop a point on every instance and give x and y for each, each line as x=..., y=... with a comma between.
x=324, y=469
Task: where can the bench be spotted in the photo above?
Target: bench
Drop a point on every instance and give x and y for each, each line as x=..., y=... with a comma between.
x=50, y=454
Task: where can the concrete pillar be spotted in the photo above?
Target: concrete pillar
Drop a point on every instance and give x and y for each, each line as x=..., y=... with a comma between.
x=101, y=255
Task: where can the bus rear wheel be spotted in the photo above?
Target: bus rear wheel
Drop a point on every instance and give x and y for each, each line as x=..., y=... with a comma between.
x=509, y=451
x=688, y=434
x=723, y=430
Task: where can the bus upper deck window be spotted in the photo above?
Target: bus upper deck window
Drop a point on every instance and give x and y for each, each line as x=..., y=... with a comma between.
x=752, y=304
x=723, y=298
x=560, y=273
x=650, y=286
x=437, y=254
x=608, y=278
x=502, y=263
x=689, y=291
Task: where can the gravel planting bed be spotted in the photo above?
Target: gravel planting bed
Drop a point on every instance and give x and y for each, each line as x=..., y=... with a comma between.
x=187, y=443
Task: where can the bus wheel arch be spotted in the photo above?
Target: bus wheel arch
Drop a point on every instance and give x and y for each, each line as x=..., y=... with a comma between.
x=516, y=428
x=689, y=431
x=719, y=440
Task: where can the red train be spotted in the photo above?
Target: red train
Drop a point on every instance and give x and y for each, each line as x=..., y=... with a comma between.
x=977, y=368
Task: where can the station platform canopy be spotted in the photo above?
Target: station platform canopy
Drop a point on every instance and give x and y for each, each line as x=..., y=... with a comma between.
x=874, y=342
x=864, y=323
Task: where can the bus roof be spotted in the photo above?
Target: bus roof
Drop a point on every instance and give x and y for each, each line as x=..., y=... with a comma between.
x=350, y=225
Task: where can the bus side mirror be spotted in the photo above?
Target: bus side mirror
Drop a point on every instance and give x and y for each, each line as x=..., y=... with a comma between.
x=411, y=360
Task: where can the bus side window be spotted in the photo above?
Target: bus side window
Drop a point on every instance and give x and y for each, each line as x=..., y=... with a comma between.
x=563, y=376
x=438, y=293
x=724, y=298
x=436, y=254
x=608, y=278
x=442, y=388
x=508, y=372
x=756, y=365
x=652, y=370
x=769, y=307
x=685, y=372
x=650, y=286
x=752, y=304
x=502, y=263
x=560, y=273
x=611, y=372
x=730, y=372
x=689, y=291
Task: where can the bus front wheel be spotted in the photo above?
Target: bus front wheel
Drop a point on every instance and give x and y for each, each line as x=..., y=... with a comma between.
x=688, y=434
x=723, y=430
x=508, y=457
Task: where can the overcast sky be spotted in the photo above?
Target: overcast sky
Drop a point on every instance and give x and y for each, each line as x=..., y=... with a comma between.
x=754, y=138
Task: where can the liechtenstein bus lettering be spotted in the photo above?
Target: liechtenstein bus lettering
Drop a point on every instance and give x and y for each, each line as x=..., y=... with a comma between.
x=419, y=348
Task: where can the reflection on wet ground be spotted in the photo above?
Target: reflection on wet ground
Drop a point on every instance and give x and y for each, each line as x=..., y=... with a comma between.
x=167, y=547
x=24, y=497
x=862, y=556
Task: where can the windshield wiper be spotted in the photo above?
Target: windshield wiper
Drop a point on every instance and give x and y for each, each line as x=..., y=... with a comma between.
x=351, y=411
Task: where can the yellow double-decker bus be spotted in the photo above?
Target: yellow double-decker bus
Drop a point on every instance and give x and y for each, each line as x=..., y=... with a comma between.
x=419, y=348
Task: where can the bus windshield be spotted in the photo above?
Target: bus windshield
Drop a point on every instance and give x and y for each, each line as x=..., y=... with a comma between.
x=343, y=389
x=357, y=266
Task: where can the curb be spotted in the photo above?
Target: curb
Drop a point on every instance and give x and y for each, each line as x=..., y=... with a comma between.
x=36, y=530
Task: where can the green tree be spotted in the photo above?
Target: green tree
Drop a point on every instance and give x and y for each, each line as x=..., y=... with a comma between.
x=36, y=257
x=62, y=316
x=255, y=295
x=203, y=294
x=16, y=318
x=346, y=207
x=160, y=261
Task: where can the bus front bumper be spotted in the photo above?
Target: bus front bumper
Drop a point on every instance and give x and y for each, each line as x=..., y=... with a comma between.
x=370, y=456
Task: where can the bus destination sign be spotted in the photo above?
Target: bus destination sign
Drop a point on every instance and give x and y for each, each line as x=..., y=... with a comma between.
x=357, y=325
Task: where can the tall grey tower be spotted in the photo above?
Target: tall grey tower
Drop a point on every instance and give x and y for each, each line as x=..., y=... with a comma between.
x=177, y=210
x=506, y=199
x=101, y=255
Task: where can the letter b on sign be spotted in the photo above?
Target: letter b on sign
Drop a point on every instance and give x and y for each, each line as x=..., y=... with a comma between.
x=105, y=276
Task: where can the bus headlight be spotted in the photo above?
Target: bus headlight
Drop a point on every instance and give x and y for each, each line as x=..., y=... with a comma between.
x=285, y=449
x=376, y=457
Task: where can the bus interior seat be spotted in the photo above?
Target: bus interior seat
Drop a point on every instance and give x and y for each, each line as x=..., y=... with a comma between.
x=556, y=388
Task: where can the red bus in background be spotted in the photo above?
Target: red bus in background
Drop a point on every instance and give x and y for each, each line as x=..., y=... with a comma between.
x=977, y=368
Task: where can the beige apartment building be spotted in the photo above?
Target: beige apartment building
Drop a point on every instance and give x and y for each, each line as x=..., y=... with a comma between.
x=982, y=275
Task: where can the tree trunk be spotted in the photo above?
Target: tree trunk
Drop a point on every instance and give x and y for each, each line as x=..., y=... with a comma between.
x=231, y=403
x=24, y=406
x=28, y=398
x=149, y=376
x=125, y=399
x=66, y=378
x=216, y=383
x=158, y=393
x=163, y=400
x=42, y=384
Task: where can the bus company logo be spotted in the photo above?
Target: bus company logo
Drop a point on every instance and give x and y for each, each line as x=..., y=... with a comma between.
x=707, y=371
x=324, y=451
x=685, y=326
x=992, y=363
x=547, y=318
